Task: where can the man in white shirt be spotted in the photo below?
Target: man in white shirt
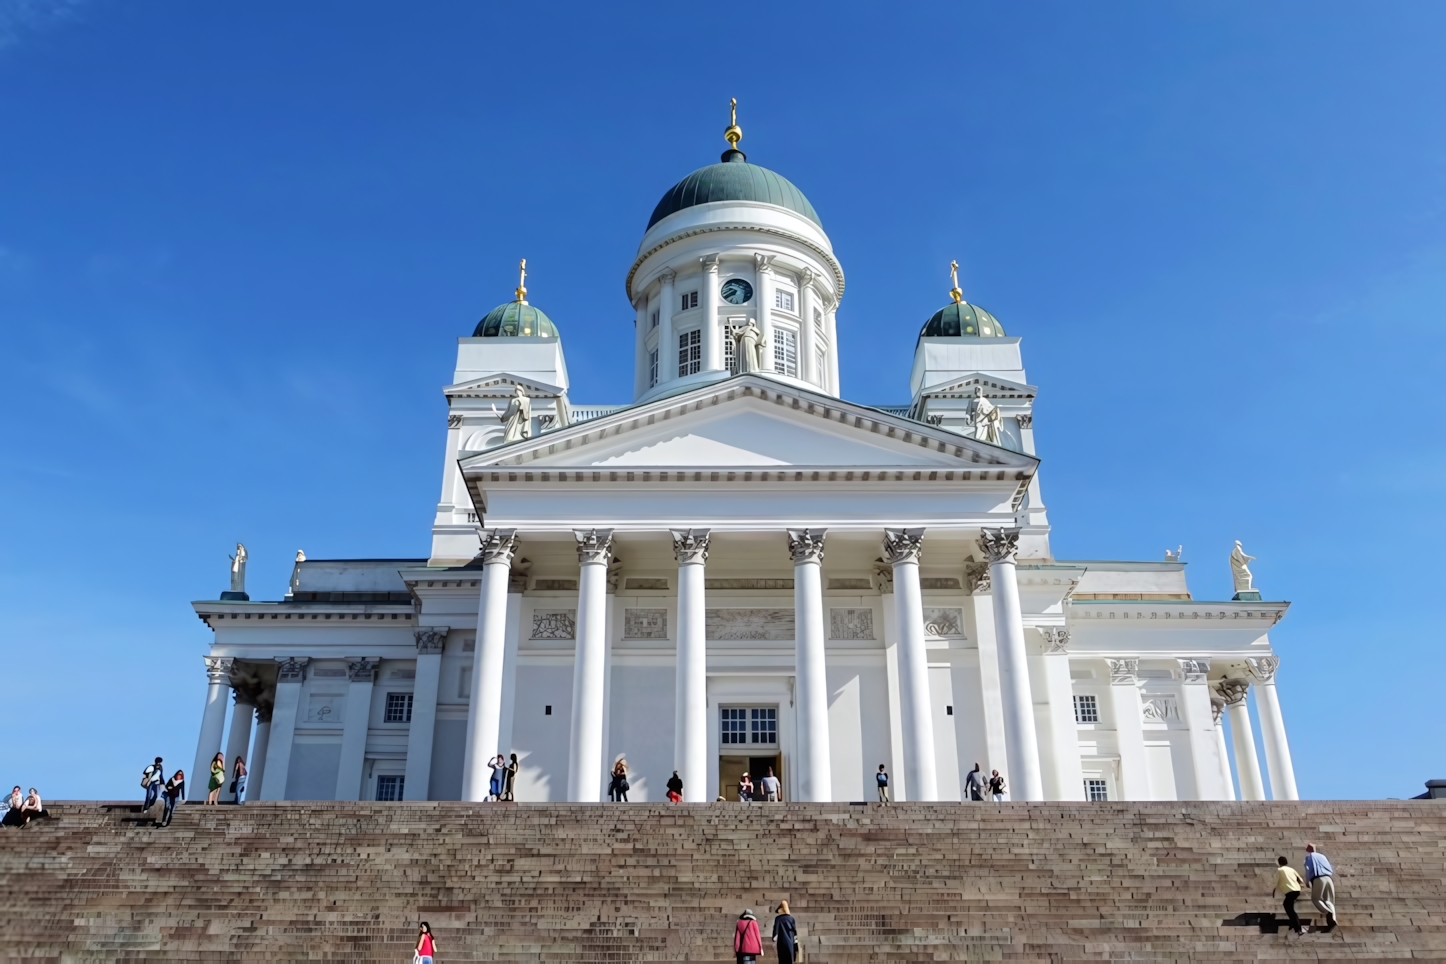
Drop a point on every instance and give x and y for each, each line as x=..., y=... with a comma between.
x=772, y=789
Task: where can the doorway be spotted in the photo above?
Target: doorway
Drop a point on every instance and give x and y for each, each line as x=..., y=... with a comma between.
x=731, y=768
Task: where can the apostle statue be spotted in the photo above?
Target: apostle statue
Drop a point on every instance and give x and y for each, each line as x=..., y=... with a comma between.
x=748, y=347
x=1239, y=569
x=518, y=417
x=238, y=569
x=985, y=416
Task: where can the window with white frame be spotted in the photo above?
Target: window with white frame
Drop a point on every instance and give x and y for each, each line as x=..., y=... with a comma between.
x=1096, y=791
x=654, y=323
x=690, y=300
x=391, y=787
x=1086, y=709
x=399, y=708
x=818, y=320
x=820, y=362
x=785, y=351
x=763, y=722
x=734, y=725
x=752, y=725
x=730, y=347
x=690, y=352
x=783, y=299
x=652, y=368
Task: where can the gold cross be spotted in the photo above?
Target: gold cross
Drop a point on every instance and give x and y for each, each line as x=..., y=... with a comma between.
x=954, y=292
x=522, y=280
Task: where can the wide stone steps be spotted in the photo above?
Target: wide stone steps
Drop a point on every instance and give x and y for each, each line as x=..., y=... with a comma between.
x=650, y=882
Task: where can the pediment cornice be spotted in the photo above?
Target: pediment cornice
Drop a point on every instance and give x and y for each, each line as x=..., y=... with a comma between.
x=499, y=385
x=994, y=387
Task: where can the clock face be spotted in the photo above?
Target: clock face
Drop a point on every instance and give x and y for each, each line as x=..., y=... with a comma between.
x=736, y=291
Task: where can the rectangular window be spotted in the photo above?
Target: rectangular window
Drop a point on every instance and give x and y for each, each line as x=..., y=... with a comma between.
x=765, y=724
x=690, y=352
x=652, y=368
x=1096, y=791
x=783, y=299
x=820, y=365
x=730, y=347
x=735, y=725
x=785, y=351
x=655, y=320
x=690, y=300
x=1086, y=710
x=399, y=708
x=390, y=787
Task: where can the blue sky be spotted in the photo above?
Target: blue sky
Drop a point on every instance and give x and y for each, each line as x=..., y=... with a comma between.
x=237, y=244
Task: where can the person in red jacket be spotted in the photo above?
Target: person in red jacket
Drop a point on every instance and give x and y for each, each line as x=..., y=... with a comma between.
x=747, y=944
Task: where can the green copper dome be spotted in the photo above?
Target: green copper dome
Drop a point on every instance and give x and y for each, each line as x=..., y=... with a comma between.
x=516, y=318
x=962, y=320
x=733, y=179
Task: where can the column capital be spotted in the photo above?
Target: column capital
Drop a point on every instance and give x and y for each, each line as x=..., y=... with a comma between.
x=430, y=639
x=1217, y=709
x=690, y=546
x=615, y=573
x=1233, y=691
x=883, y=576
x=805, y=280
x=498, y=546
x=1026, y=420
x=1195, y=670
x=806, y=545
x=362, y=670
x=593, y=546
x=218, y=669
x=1124, y=670
x=1263, y=667
x=709, y=263
x=903, y=545
x=666, y=276
x=264, y=707
x=999, y=545
x=246, y=692
x=291, y=669
x=977, y=576
x=517, y=575
x=1056, y=639
x=763, y=263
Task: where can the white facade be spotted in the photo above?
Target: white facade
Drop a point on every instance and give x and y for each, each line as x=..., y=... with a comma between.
x=740, y=570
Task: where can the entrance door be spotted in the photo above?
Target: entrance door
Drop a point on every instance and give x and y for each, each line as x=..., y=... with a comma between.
x=731, y=768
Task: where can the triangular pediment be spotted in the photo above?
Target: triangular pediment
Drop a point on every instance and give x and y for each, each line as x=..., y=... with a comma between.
x=994, y=386
x=500, y=385
x=751, y=421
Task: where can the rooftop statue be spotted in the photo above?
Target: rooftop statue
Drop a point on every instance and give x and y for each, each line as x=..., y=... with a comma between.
x=1244, y=581
x=749, y=345
x=985, y=416
x=518, y=417
x=238, y=569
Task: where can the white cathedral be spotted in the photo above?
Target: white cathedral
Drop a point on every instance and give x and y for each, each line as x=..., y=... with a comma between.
x=740, y=570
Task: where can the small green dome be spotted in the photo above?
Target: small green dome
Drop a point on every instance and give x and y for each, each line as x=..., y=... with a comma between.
x=733, y=179
x=516, y=318
x=962, y=320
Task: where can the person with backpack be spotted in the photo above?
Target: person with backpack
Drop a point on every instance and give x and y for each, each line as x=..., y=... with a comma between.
x=996, y=787
x=882, y=779
x=152, y=780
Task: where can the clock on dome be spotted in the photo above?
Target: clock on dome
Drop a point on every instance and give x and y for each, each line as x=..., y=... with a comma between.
x=736, y=291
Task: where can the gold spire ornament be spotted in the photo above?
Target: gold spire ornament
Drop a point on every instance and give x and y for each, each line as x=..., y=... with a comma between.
x=522, y=281
x=734, y=133
x=955, y=291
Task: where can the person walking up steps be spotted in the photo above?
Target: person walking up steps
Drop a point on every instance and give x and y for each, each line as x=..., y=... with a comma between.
x=675, y=788
x=1321, y=877
x=426, y=949
x=770, y=787
x=747, y=944
x=785, y=934
x=1288, y=883
x=996, y=787
x=153, y=779
x=882, y=779
x=175, y=790
x=509, y=778
x=974, y=785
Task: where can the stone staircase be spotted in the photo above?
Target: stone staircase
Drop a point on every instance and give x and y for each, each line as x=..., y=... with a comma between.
x=650, y=882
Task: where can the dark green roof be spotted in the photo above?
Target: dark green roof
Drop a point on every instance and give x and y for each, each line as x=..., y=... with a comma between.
x=962, y=320
x=733, y=179
x=516, y=318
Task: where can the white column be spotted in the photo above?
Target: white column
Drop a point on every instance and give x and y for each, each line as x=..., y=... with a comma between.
x=260, y=744
x=430, y=641
x=810, y=670
x=641, y=323
x=667, y=344
x=763, y=292
x=1247, y=764
x=1129, y=728
x=1222, y=753
x=690, y=721
x=362, y=674
x=901, y=551
x=238, y=741
x=831, y=328
x=981, y=607
x=213, y=721
x=1063, y=776
x=1196, y=715
x=585, y=759
x=807, y=342
x=1021, y=741
x=1272, y=728
x=712, y=337
x=289, y=676
x=884, y=577
x=484, y=710
x=516, y=586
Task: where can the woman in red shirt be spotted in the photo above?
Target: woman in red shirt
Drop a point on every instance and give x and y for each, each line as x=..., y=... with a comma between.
x=747, y=944
x=426, y=947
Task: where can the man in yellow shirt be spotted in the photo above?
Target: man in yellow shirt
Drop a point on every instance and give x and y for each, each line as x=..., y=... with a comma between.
x=1289, y=883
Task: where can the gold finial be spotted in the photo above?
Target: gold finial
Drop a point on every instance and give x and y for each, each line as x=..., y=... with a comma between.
x=734, y=133
x=522, y=281
x=954, y=292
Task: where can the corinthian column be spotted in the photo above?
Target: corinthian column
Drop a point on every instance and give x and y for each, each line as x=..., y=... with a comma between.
x=290, y=674
x=1222, y=752
x=690, y=721
x=816, y=772
x=807, y=336
x=589, y=677
x=213, y=718
x=667, y=345
x=712, y=337
x=1195, y=709
x=1272, y=728
x=1129, y=728
x=901, y=551
x=1247, y=764
x=484, y=710
x=238, y=741
x=1021, y=742
x=429, y=640
x=260, y=745
x=763, y=292
x=362, y=676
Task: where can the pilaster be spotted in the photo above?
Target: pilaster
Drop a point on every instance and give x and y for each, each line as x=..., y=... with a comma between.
x=430, y=641
x=1063, y=776
x=290, y=673
x=1129, y=728
x=362, y=674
